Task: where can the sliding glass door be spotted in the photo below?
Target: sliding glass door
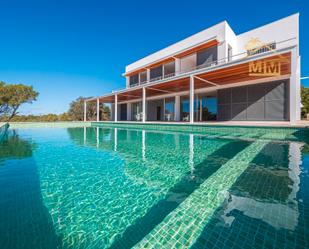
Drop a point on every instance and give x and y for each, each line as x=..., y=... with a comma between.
x=169, y=109
x=137, y=111
x=205, y=108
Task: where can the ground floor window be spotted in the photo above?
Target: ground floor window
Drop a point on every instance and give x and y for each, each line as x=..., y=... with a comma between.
x=184, y=108
x=169, y=110
x=137, y=112
x=205, y=108
x=123, y=112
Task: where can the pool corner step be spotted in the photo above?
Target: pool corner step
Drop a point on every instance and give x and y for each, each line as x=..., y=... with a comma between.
x=182, y=227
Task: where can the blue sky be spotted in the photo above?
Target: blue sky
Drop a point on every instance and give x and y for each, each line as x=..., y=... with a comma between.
x=67, y=49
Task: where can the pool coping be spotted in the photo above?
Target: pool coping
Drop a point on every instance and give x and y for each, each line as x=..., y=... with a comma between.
x=219, y=125
x=58, y=124
x=271, y=124
x=281, y=133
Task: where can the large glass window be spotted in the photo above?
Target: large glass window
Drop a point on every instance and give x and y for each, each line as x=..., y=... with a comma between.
x=137, y=111
x=188, y=63
x=143, y=77
x=205, y=108
x=169, y=109
x=207, y=57
x=156, y=73
x=184, y=108
x=134, y=79
x=169, y=69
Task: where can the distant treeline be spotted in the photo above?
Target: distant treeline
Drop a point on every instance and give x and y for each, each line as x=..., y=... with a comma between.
x=13, y=96
x=38, y=118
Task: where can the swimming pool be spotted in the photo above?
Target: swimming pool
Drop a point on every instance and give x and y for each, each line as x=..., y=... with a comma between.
x=112, y=187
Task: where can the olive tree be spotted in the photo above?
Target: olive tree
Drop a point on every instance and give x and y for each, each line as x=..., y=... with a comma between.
x=12, y=96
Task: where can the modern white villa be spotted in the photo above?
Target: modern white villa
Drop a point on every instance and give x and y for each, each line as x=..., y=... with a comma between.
x=215, y=75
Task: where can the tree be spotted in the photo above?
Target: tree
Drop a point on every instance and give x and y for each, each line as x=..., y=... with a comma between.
x=105, y=113
x=76, y=110
x=304, y=101
x=12, y=96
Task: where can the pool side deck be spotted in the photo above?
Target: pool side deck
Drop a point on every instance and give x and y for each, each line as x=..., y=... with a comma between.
x=283, y=131
x=298, y=124
x=61, y=124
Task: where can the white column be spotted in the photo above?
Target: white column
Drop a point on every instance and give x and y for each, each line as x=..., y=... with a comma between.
x=115, y=139
x=191, y=154
x=294, y=87
x=143, y=145
x=177, y=108
x=164, y=109
x=144, y=104
x=129, y=110
x=116, y=108
x=177, y=66
x=98, y=136
x=85, y=135
x=98, y=109
x=85, y=111
x=191, y=99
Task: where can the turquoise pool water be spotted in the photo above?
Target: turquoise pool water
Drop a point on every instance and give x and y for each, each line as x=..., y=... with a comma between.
x=124, y=188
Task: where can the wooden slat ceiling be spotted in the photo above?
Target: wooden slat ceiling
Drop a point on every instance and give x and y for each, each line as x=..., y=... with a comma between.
x=197, y=48
x=180, y=55
x=229, y=75
x=239, y=73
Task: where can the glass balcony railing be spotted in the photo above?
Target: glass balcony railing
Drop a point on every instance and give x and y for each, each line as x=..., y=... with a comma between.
x=265, y=48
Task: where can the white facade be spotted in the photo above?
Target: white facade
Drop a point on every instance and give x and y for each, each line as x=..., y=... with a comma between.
x=231, y=50
x=286, y=29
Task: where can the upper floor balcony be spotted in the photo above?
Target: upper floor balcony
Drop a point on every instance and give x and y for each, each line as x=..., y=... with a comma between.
x=201, y=58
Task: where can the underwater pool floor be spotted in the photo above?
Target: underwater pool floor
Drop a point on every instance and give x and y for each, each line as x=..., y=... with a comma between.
x=106, y=187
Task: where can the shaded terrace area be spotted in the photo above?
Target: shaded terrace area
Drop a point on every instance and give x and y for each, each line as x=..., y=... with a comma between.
x=226, y=76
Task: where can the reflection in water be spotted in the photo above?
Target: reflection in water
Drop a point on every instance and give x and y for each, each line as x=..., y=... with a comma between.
x=98, y=135
x=191, y=155
x=264, y=209
x=116, y=139
x=153, y=159
x=143, y=145
x=264, y=200
x=111, y=187
x=12, y=147
x=24, y=220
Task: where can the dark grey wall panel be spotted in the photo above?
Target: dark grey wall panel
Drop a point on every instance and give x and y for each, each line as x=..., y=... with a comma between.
x=224, y=112
x=267, y=101
x=256, y=93
x=224, y=96
x=239, y=95
x=275, y=91
x=256, y=110
x=239, y=111
x=275, y=110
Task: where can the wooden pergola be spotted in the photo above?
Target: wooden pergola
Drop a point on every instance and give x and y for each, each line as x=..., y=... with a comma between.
x=225, y=75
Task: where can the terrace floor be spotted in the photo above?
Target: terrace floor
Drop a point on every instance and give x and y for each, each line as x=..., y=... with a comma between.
x=302, y=123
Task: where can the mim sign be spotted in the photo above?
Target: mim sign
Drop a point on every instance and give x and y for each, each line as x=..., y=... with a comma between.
x=267, y=68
